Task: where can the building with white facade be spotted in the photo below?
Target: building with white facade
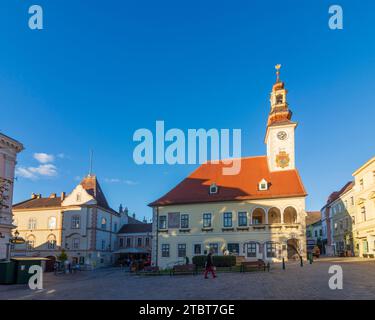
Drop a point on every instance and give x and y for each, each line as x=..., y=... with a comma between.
x=9, y=148
x=81, y=223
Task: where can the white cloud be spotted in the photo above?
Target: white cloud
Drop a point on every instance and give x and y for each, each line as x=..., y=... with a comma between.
x=44, y=157
x=33, y=173
x=112, y=180
x=117, y=180
x=130, y=182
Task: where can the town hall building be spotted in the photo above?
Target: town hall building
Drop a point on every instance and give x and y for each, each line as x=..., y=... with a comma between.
x=258, y=213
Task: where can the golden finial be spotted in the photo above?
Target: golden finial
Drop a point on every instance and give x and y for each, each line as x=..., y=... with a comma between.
x=278, y=67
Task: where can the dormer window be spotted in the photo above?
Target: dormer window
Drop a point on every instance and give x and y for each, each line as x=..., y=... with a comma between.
x=78, y=197
x=263, y=185
x=213, y=188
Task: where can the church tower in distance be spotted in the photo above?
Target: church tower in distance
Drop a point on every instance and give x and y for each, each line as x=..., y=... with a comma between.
x=280, y=129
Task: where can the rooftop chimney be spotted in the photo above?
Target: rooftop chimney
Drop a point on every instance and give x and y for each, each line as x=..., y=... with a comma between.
x=62, y=196
x=53, y=195
x=133, y=215
x=39, y=195
x=144, y=220
x=33, y=196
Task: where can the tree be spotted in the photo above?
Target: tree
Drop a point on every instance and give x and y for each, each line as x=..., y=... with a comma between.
x=63, y=256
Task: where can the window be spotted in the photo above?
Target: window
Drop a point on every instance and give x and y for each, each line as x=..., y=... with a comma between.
x=121, y=242
x=181, y=250
x=365, y=246
x=30, y=243
x=320, y=232
x=197, y=249
x=184, y=221
x=214, y=248
x=271, y=248
x=104, y=223
x=115, y=227
x=52, y=223
x=163, y=222
x=165, y=250
x=78, y=197
x=76, y=243
x=207, y=217
x=363, y=213
x=103, y=244
x=227, y=219
x=76, y=221
x=251, y=250
x=308, y=233
x=352, y=201
x=213, y=188
x=279, y=99
x=316, y=233
x=263, y=185
x=81, y=260
x=139, y=242
x=32, y=223
x=147, y=242
x=242, y=219
x=234, y=248
x=128, y=242
x=361, y=185
x=51, y=242
x=353, y=219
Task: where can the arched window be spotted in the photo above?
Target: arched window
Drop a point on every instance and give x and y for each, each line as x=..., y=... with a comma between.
x=274, y=215
x=104, y=223
x=52, y=223
x=30, y=244
x=279, y=99
x=32, y=223
x=258, y=216
x=51, y=242
x=290, y=215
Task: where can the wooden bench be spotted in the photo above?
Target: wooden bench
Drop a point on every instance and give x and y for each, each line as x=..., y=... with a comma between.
x=184, y=269
x=258, y=265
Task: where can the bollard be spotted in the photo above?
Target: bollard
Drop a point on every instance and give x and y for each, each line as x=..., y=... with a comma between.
x=283, y=264
x=301, y=261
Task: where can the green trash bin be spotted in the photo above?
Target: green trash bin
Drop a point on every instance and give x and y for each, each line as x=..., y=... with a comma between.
x=22, y=268
x=7, y=272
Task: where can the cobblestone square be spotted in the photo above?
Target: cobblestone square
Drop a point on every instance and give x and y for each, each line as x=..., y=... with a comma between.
x=309, y=282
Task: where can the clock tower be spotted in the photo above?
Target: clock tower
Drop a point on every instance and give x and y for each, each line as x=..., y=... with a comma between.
x=280, y=129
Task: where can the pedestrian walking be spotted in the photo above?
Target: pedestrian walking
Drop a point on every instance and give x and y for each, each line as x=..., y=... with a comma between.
x=209, y=266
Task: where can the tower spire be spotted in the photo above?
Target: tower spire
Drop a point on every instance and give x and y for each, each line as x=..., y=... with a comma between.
x=91, y=159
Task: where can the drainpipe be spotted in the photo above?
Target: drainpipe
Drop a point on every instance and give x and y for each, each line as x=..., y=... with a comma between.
x=157, y=236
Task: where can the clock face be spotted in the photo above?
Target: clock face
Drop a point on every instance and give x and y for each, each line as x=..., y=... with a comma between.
x=282, y=135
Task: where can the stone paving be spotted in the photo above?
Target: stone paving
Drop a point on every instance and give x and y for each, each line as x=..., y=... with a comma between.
x=308, y=282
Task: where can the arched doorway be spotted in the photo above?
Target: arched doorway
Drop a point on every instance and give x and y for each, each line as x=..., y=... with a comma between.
x=293, y=252
x=50, y=264
x=274, y=215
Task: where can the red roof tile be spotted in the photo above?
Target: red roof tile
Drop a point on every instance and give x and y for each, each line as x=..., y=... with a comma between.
x=335, y=195
x=243, y=186
x=38, y=203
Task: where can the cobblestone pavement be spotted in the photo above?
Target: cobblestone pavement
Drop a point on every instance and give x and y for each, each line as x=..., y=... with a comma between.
x=308, y=282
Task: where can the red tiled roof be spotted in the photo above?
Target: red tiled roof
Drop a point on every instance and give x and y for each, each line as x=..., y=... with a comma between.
x=335, y=195
x=136, y=228
x=38, y=203
x=312, y=217
x=243, y=186
x=92, y=186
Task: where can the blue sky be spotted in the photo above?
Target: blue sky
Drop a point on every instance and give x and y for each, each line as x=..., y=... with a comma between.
x=100, y=70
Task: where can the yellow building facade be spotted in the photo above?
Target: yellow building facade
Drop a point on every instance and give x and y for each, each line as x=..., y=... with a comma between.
x=258, y=213
x=364, y=195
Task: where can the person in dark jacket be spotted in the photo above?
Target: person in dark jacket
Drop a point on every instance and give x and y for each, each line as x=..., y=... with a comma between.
x=209, y=266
